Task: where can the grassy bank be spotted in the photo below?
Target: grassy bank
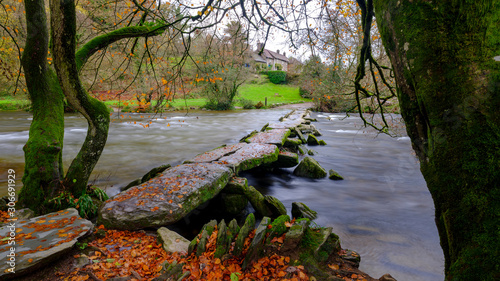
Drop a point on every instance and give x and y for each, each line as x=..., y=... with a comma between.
x=13, y=103
x=258, y=90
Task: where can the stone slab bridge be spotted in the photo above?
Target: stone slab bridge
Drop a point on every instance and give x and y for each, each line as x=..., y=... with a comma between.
x=171, y=195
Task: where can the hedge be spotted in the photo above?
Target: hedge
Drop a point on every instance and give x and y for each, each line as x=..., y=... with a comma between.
x=277, y=76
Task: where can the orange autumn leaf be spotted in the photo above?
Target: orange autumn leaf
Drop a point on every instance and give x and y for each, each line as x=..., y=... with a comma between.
x=334, y=266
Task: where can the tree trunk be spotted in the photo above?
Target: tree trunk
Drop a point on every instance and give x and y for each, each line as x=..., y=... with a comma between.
x=43, y=151
x=43, y=177
x=63, y=25
x=443, y=54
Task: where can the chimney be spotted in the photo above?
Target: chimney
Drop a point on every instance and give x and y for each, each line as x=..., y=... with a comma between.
x=277, y=51
x=284, y=54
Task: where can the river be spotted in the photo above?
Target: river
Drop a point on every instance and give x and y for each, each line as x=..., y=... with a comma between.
x=382, y=209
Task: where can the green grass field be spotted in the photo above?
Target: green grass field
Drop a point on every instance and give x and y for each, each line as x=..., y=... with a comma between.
x=254, y=91
x=12, y=103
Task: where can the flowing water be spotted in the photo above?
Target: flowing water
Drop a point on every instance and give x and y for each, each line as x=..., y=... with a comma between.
x=382, y=209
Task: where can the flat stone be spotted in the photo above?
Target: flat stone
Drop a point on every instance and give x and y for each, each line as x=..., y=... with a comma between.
x=166, y=198
x=40, y=240
x=250, y=156
x=172, y=241
x=277, y=137
x=215, y=154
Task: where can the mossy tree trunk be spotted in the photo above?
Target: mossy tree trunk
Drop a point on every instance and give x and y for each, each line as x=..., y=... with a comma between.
x=63, y=26
x=43, y=177
x=443, y=55
x=43, y=151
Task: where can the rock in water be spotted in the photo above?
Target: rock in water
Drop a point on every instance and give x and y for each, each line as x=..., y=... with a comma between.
x=275, y=206
x=334, y=175
x=300, y=210
x=312, y=140
x=310, y=168
x=166, y=198
x=40, y=240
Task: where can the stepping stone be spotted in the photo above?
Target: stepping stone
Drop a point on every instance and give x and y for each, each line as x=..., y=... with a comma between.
x=276, y=137
x=166, y=198
x=215, y=154
x=39, y=241
x=250, y=156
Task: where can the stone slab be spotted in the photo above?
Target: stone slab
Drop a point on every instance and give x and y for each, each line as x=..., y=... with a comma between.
x=277, y=137
x=250, y=156
x=166, y=198
x=39, y=241
x=215, y=154
x=291, y=120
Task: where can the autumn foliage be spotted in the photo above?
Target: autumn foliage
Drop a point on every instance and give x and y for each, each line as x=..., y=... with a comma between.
x=138, y=254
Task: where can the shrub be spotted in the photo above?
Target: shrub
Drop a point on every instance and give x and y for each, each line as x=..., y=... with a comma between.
x=278, y=66
x=213, y=104
x=259, y=105
x=246, y=103
x=277, y=77
x=292, y=77
x=305, y=93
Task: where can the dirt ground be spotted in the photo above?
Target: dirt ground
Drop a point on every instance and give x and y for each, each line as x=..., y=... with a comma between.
x=305, y=105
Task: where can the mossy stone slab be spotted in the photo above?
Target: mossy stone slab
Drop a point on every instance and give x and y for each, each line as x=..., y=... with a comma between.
x=250, y=156
x=166, y=198
x=215, y=154
x=276, y=136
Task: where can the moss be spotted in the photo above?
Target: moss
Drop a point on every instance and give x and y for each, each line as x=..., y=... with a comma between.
x=278, y=226
x=105, y=40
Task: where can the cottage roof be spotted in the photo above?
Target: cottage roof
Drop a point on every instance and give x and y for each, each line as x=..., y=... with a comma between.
x=258, y=58
x=270, y=54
